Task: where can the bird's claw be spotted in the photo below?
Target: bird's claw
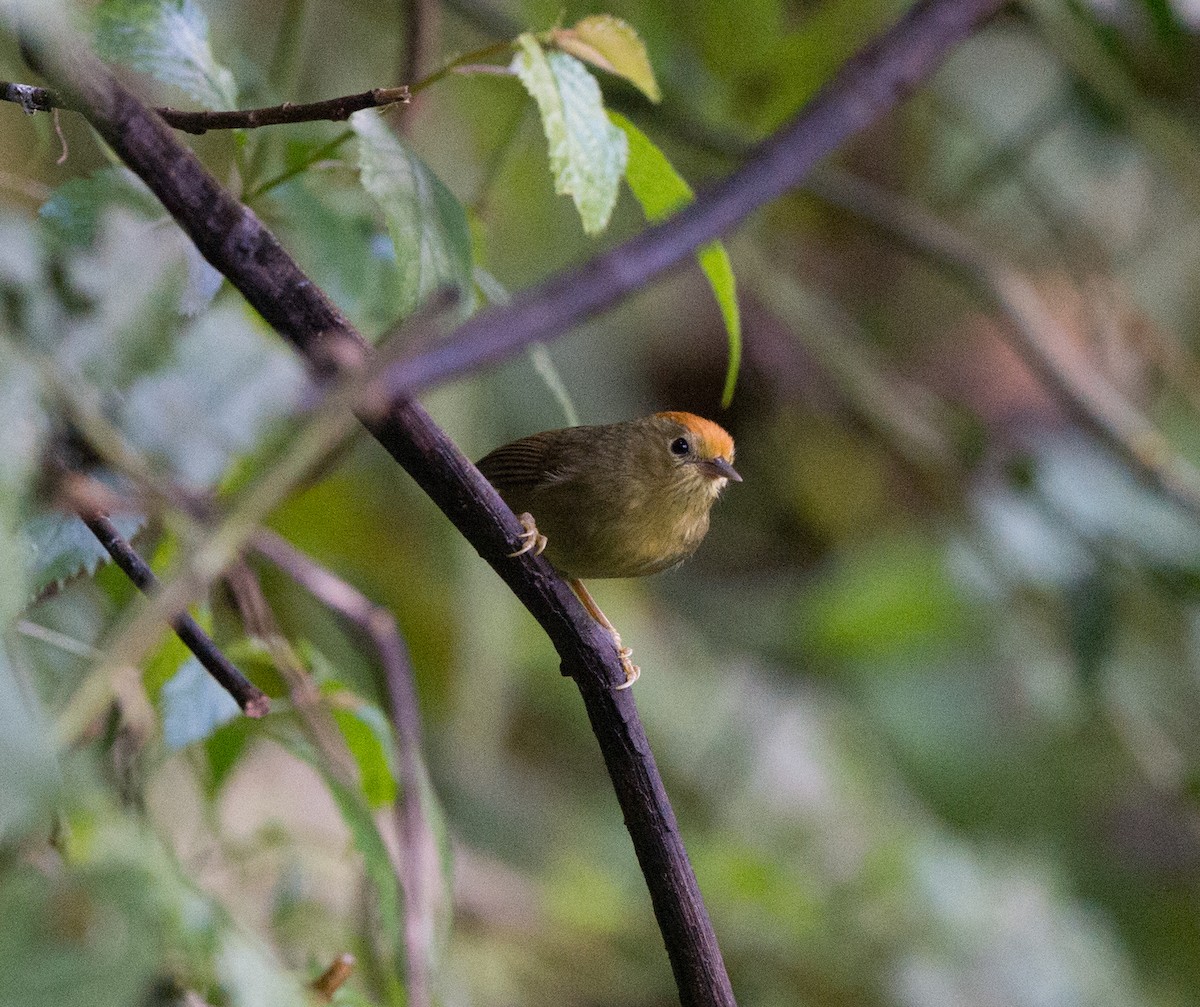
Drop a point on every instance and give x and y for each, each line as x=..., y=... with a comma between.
x=532, y=540
x=632, y=671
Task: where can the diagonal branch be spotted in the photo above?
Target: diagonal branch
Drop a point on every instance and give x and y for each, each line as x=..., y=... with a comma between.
x=237, y=243
x=252, y=700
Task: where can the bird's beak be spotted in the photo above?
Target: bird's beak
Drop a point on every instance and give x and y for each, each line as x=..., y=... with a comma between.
x=719, y=467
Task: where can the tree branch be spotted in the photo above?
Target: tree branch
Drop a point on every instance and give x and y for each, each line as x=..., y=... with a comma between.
x=44, y=99
x=233, y=239
x=252, y=700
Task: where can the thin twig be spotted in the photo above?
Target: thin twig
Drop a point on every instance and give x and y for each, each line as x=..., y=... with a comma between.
x=252, y=700
x=418, y=842
x=43, y=99
x=237, y=243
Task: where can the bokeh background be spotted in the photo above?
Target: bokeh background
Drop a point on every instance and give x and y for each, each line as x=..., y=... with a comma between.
x=926, y=699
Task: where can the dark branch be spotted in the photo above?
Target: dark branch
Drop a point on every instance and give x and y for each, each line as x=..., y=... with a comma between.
x=43, y=99
x=330, y=110
x=252, y=700
x=870, y=84
x=235, y=241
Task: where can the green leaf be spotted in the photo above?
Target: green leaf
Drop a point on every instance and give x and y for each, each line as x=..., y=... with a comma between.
x=169, y=40
x=368, y=735
x=77, y=213
x=588, y=153
x=427, y=224
x=611, y=44
x=661, y=190
x=76, y=208
x=227, y=383
x=224, y=748
x=61, y=547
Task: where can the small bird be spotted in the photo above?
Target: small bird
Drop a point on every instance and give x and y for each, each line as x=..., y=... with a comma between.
x=619, y=500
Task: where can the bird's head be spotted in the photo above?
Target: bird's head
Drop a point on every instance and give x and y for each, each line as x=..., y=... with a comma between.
x=699, y=451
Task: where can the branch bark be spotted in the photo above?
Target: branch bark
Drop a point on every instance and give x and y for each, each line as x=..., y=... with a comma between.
x=234, y=240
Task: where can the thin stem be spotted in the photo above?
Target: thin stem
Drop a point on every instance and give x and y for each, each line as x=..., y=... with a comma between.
x=252, y=700
x=320, y=154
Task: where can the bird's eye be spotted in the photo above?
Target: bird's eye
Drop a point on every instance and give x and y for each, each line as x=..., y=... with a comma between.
x=680, y=446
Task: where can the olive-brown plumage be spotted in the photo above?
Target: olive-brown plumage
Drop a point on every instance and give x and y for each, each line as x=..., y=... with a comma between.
x=619, y=500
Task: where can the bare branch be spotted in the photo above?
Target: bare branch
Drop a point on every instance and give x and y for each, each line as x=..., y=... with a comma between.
x=330, y=110
x=252, y=700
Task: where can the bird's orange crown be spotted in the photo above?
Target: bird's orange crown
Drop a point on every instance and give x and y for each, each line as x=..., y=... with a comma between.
x=713, y=441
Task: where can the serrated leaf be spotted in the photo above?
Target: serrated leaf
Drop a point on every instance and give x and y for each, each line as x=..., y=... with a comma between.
x=228, y=381
x=169, y=40
x=614, y=45
x=193, y=705
x=60, y=547
x=427, y=224
x=78, y=208
x=661, y=190
x=587, y=152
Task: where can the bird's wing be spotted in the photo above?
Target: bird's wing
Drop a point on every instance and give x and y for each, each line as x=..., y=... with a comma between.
x=522, y=465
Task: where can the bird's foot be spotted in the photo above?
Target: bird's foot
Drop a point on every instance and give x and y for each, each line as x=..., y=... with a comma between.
x=632, y=671
x=532, y=540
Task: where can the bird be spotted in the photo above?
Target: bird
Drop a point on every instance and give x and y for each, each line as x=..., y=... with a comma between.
x=624, y=499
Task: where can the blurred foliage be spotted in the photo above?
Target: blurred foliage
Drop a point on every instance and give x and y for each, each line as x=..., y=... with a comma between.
x=925, y=700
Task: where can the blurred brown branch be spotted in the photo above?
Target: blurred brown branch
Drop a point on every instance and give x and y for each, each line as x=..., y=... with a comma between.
x=418, y=874
x=1034, y=331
